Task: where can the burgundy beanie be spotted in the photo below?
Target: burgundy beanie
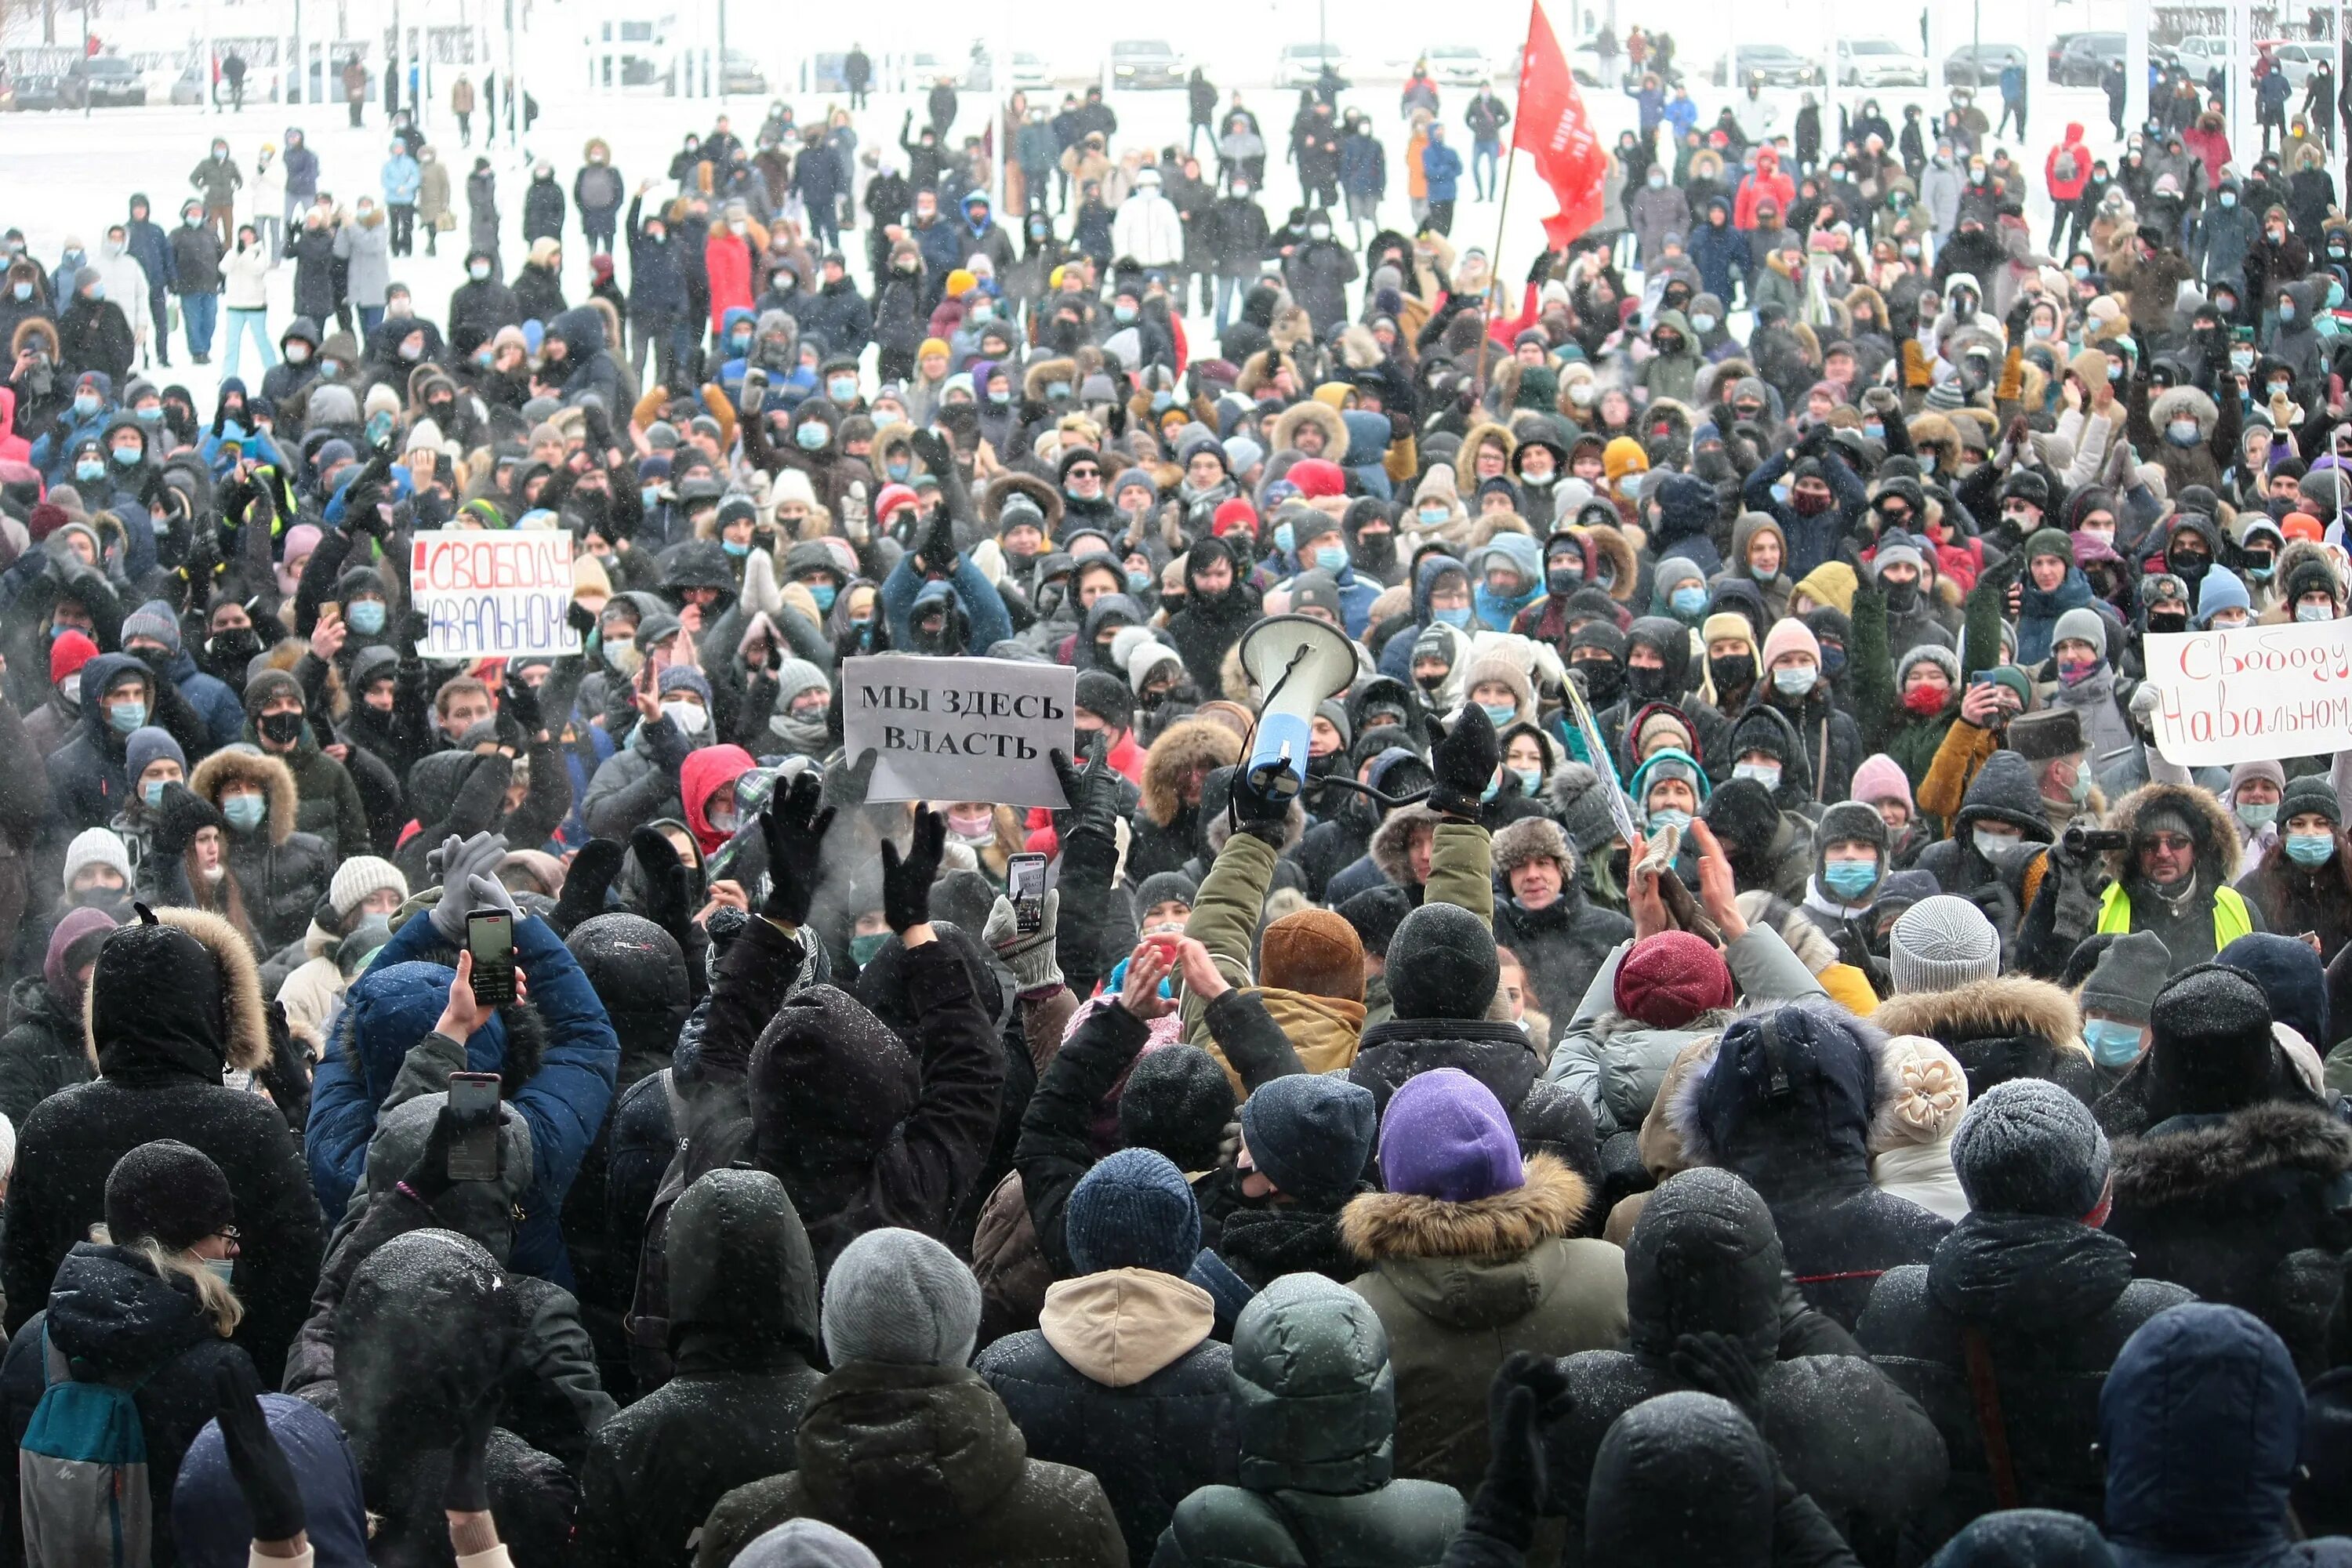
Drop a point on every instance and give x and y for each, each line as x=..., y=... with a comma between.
x=1670, y=978
x=1445, y=1136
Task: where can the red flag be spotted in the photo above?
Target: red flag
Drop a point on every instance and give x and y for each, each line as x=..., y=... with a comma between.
x=1552, y=123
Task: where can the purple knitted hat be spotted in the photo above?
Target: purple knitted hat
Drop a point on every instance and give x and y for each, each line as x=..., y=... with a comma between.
x=1445, y=1136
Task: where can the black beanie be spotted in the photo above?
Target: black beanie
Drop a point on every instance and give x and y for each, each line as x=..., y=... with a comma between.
x=1442, y=965
x=169, y=1191
x=1178, y=1103
x=2210, y=1051
x=1376, y=912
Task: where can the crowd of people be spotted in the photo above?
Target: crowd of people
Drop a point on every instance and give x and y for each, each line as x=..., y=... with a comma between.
x=1740, y=1048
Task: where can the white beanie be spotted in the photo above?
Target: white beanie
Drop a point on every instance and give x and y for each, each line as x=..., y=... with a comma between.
x=1924, y=1091
x=96, y=847
x=358, y=876
x=1941, y=944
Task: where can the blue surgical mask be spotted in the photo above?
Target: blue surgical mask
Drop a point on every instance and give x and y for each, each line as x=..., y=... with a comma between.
x=1124, y=313
x=735, y=549
x=244, y=812
x=366, y=616
x=1162, y=401
x=2315, y=613
x=85, y=404
x=897, y=468
x=2311, y=850
x=1501, y=714
x=151, y=791
x=1137, y=582
x=1530, y=779
x=127, y=715
x=811, y=436
x=1433, y=516
x=126, y=457
x=2257, y=815
x=823, y=592
x=1455, y=617
x=149, y=414
x=1669, y=816
x=23, y=290
x=842, y=389
x=2113, y=1043
x=649, y=496
x=1687, y=601
x=1874, y=429
x=1330, y=557
x=1797, y=680
x=2285, y=311
x=862, y=948
x=1850, y=879
x=1285, y=538
x=982, y=314
x=1702, y=323
x=89, y=471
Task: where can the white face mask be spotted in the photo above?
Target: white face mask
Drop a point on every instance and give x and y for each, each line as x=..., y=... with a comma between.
x=1766, y=774
x=689, y=717
x=221, y=1269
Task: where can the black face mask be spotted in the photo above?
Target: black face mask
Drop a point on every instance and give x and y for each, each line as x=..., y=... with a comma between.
x=1902, y=598
x=232, y=649
x=1604, y=680
x=1651, y=684
x=284, y=729
x=1375, y=549
x=1562, y=581
x=2168, y=623
x=1430, y=683
x=2190, y=569
x=1733, y=672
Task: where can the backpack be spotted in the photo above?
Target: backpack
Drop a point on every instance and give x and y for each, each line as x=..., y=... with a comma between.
x=2068, y=168
x=81, y=1473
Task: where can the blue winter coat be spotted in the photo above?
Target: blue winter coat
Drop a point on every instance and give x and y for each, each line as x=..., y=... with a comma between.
x=1396, y=658
x=396, y=1004
x=1441, y=166
x=221, y=709
x=983, y=607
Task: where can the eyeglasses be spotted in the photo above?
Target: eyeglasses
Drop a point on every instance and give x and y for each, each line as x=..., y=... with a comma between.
x=1086, y=473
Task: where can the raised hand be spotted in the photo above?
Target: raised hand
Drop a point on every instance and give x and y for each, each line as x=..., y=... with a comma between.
x=794, y=827
x=906, y=879
x=1463, y=758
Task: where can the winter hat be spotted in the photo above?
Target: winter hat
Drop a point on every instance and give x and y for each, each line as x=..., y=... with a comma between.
x=1788, y=635
x=1315, y=951
x=1668, y=979
x=1941, y=944
x=1880, y=777
x=2312, y=792
x=1442, y=965
x=1850, y=821
x=2212, y=1048
x=1581, y=807
x=1165, y=888
x=2220, y=591
x=1133, y=1210
x=146, y=743
x=1375, y=913
x=168, y=1191
x=97, y=847
x=1444, y=1136
x=73, y=942
x=1310, y=1134
x=1178, y=1103
x=1106, y=696
x=899, y=1296
x=360, y=876
x=2027, y=1146
x=2129, y=974
x=2081, y=624
x=68, y=654
x=679, y=677
x=806, y=1543
x=154, y=620
x=1924, y=1092
x=2292, y=979
x=2024, y=1538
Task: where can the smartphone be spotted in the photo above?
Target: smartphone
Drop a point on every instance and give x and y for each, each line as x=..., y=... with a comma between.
x=1024, y=884
x=474, y=1154
x=490, y=937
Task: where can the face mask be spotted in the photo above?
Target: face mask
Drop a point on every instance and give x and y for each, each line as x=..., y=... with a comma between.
x=1688, y=602
x=1123, y=312
x=89, y=471
x=85, y=404
x=1501, y=714
x=732, y=548
x=1702, y=323
x=2113, y=1045
x=2181, y=432
x=2241, y=360
x=1431, y=516
x=1796, y=680
x=1562, y=581
x=1991, y=845
x=823, y=592
x=1766, y=774
x=975, y=829
x=2229, y=198
x=1848, y=880
x=862, y=948
x=1330, y=557
x=151, y=791
x=1455, y=617
x=1285, y=538
x=1669, y=816
x=1732, y=672
x=296, y=353
x=283, y=728
x=1057, y=389
x=842, y=389
x=1539, y=481
x=2257, y=815
x=982, y=313
x=2310, y=849
x=244, y=812
x=999, y=398
x=126, y=457
x=621, y=653
x=1657, y=181
x=811, y=436
x=2315, y=613
x=689, y=717
x=23, y=290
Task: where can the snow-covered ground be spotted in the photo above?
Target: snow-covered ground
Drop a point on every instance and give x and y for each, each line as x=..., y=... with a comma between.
x=66, y=174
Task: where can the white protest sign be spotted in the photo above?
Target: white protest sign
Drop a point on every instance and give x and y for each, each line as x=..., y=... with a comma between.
x=486, y=595
x=958, y=729
x=2256, y=692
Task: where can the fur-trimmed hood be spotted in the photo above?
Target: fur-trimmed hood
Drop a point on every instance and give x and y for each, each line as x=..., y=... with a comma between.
x=216, y=772
x=2217, y=847
x=1323, y=417
x=2184, y=402
x=1005, y=485
x=1382, y=1225
x=244, y=1014
x=1393, y=838
x=1610, y=545
x=1465, y=456
x=2179, y=1165
x=1045, y=372
x=2005, y=1006
x=1192, y=744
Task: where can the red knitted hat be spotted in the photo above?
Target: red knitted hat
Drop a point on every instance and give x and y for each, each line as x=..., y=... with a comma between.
x=1236, y=510
x=1670, y=978
x=68, y=654
x=1317, y=477
x=45, y=519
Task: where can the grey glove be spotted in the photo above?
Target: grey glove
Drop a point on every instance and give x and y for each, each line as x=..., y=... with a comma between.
x=1031, y=958
x=457, y=863
x=490, y=893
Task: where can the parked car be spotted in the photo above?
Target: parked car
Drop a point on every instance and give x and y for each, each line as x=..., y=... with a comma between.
x=1030, y=72
x=1145, y=63
x=2085, y=58
x=740, y=74
x=2200, y=54
x=1301, y=65
x=1981, y=65
x=1775, y=65
x=1879, y=63
x=188, y=87
x=1458, y=64
x=31, y=91
x=104, y=81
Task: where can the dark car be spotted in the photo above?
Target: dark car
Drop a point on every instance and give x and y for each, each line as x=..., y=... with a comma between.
x=1774, y=65
x=104, y=81
x=1145, y=63
x=32, y=89
x=1981, y=65
x=2085, y=58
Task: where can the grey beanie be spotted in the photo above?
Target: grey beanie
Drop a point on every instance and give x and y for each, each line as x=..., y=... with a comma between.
x=1165, y=888
x=897, y=1296
x=806, y=1543
x=1581, y=806
x=2027, y=1146
x=2084, y=624
x=2129, y=974
x=1309, y=1135
x=1941, y=944
x=2311, y=791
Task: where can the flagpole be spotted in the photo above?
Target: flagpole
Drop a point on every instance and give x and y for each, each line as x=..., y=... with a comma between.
x=1503, y=209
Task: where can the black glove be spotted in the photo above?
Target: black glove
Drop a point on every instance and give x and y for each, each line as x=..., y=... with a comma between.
x=235, y=497
x=1539, y=273
x=180, y=816
x=1093, y=793
x=1715, y=1363
x=263, y=510
x=932, y=449
x=1527, y=1397
x=907, y=880
x=847, y=783
x=586, y=883
x=1463, y=760
x=577, y=617
x=755, y=391
x=1816, y=442
x=598, y=428
x=670, y=885
x=938, y=549
x=413, y=628
x=263, y=1476
x=795, y=828
x=522, y=707
x=468, y=1486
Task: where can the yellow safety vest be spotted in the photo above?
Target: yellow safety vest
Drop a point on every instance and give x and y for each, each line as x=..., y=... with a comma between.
x=2231, y=920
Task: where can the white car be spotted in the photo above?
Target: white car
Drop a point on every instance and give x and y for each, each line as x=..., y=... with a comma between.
x=1301, y=65
x=1879, y=63
x=1458, y=64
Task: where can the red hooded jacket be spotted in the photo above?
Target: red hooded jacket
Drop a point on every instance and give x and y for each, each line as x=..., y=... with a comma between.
x=2061, y=189
x=1766, y=183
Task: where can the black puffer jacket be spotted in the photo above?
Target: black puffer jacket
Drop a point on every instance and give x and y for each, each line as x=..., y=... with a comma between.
x=1683, y=1445
x=43, y=1053
x=743, y=1323
x=282, y=873
x=112, y=1316
x=1704, y=1257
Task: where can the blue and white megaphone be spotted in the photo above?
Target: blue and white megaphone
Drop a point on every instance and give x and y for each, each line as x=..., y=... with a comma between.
x=1297, y=662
